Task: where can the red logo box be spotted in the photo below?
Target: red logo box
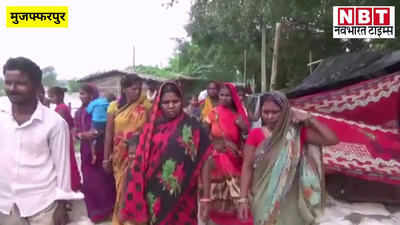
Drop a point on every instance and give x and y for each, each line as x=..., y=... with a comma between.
x=363, y=16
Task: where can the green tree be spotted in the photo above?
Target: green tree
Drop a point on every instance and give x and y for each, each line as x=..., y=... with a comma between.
x=73, y=85
x=221, y=30
x=167, y=73
x=49, y=76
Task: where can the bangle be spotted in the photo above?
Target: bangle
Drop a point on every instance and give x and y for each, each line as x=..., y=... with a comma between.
x=205, y=200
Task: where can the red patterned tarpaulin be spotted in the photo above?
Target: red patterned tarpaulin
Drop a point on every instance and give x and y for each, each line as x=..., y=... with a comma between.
x=374, y=102
x=365, y=117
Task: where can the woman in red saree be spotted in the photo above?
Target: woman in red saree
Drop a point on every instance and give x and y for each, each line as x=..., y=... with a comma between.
x=163, y=179
x=228, y=125
x=56, y=96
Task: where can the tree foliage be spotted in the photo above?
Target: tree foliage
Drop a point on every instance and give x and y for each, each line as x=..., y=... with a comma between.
x=50, y=79
x=155, y=71
x=222, y=30
x=49, y=76
x=73, y=85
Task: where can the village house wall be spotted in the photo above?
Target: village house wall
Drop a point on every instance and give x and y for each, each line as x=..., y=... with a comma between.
x=108, y=85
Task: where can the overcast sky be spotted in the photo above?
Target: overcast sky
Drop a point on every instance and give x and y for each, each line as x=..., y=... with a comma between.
x=100, y=36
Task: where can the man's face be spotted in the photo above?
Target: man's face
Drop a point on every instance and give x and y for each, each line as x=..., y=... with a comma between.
x=212, y=90
x=19, y=87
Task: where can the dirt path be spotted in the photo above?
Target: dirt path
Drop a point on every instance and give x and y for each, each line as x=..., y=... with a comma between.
x=336, y=213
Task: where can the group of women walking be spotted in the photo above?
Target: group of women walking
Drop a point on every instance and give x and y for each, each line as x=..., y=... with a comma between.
x=174, y=169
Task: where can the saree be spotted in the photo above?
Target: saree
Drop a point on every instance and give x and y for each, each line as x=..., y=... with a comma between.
x=96, y=181
x=228, y=159
x=65, y=112
x=288, y=183
x=206, y=109
x=128, y=121
x=162, y=183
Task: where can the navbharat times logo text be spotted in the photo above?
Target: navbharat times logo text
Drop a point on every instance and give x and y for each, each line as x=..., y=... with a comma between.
x=37, y=16
x=363, y=22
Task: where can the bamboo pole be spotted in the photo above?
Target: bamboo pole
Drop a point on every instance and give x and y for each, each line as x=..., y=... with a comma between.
x=263, y=63
x=245, y=66
x=274, y=70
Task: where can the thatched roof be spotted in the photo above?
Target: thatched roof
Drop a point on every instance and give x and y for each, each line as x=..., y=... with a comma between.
x=338, y=71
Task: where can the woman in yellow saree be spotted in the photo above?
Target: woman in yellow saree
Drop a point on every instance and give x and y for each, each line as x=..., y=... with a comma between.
x=126, y=119
x=210, y=102
x=283, y=165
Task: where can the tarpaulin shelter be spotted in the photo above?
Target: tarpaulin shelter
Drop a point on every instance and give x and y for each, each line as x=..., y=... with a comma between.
x=358, y=96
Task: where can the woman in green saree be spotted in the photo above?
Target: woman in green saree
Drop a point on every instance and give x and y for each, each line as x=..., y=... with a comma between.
x=282, y=169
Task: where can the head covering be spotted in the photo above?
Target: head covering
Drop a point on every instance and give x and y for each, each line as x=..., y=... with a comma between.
x=156, y=114
x=165, y=173
x=237, y=103
x=156, y=111
x=281, y=128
